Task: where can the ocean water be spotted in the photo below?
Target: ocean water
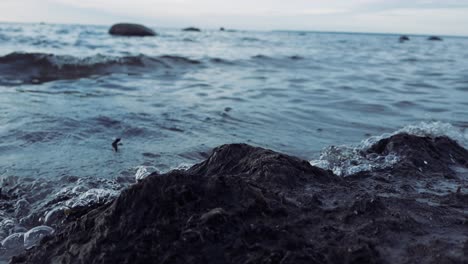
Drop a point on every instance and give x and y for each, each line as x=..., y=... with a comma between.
x=67, y=91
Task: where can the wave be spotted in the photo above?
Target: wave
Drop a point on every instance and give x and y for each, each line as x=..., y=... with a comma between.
x=36, y=68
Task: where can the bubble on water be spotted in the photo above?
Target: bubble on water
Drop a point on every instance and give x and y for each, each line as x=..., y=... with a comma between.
x=55, y=216
x=6, y=226
x=34, y=236
x=13, y=242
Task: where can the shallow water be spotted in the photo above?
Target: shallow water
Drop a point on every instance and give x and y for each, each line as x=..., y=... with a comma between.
x=68, y=91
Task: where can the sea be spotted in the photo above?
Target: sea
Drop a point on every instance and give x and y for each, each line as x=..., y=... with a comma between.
x=68, y=91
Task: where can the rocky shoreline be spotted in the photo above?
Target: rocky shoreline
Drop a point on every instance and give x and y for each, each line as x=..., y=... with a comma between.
x=246, y=204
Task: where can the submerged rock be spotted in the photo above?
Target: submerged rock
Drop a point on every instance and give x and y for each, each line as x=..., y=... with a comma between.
x=192, y=29
x=251, y=205
x=127, y=29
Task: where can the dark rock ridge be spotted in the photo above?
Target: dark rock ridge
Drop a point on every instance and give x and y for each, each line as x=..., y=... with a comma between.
x=434, y=38
x=251, y=205
x=129, y=30
x=192, y=29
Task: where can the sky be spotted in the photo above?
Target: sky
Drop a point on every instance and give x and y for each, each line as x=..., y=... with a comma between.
x=442, y=17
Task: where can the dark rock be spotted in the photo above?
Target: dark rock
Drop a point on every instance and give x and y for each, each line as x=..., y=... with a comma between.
x=434, y=38
x=437, y=154
x=192, y=29
x=246, y=204
x=126, y=29
x=404, y=38
x=221, y=29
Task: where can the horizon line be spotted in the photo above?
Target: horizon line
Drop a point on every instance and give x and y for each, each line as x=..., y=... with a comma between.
x=238, y=29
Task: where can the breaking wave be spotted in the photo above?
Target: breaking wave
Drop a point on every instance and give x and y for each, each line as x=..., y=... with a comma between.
x=347, y=160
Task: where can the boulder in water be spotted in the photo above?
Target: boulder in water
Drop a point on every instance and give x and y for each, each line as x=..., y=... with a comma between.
x=434, y=38
x=131, y=30
x=192, y=29
x=404, y=38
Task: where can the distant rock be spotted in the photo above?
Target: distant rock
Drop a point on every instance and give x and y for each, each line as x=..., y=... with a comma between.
x=192, y=29
x=434, y=38
x=221, y=29
x=131, y=30
x=404, y=38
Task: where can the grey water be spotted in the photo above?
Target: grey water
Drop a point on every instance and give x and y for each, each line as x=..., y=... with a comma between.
x=67, y=91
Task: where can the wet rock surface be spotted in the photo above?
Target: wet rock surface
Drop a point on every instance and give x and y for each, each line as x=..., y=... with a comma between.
x=251, y=205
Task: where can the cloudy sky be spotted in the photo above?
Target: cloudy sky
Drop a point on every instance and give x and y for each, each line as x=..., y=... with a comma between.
x=445, y=17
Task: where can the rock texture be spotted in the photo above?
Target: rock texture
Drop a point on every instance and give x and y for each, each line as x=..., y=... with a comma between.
x=251, y=205
x=127, y=29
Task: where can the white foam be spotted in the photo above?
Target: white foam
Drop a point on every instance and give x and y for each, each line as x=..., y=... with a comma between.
x=66, y=60
x=143, y=172
x=350, y=159
x=92, y=196
x=424, y=129
x=346, y=160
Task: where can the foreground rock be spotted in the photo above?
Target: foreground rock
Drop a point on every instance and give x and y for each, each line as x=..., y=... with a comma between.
x=251, y=205
x=128, y=30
